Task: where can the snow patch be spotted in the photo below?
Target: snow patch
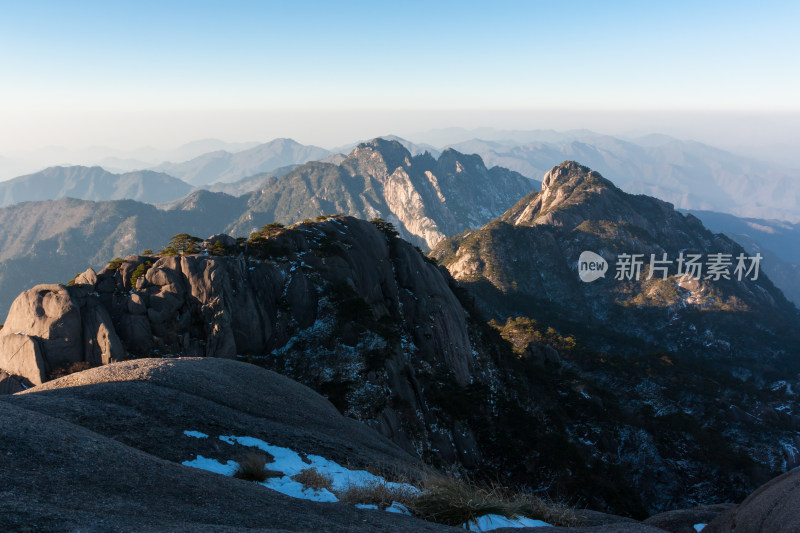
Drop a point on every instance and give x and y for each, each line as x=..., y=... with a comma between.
x=212, y=465
x=495, y=521
x=195, y=434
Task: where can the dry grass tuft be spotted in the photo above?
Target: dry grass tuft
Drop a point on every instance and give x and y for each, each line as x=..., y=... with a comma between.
x=555, y=513
x=252, y=467
x=311, y=478
x=456, y=501
x=378, y=493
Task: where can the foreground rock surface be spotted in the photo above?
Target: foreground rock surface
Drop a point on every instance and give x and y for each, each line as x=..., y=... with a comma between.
x=774, y=507
x=684, y=520
x=97, y=450
x=148, y=403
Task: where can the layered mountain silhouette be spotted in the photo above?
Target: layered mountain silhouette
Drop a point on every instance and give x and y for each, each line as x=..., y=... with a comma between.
x=226, y=167
x=92, y=183
x=778, y=241
x=688, y=174
x=427, y=198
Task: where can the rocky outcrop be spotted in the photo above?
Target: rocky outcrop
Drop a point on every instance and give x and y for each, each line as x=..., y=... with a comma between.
x=92, y=450
x=53, y=326
x=773, y=507
x=341, y=305
x=685, y=520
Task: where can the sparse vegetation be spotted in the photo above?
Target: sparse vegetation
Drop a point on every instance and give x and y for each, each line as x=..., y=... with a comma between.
x=147, y=252
x=68, y=368
x=217, y=248
x=182, y=243
x=379, y=493
x=252, y=467
x=311, y=478
x=386, y=227
x=114, y=264
x=140, y=271
x=457, y=501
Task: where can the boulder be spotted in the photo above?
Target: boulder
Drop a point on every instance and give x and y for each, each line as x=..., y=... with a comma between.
x=49, y=314
x=21, y=355
x=10, y=384
x=89, y=277
x=773, y=507
x=49, y=327
x=225, y=240
x=684, y=520
x=101, y=343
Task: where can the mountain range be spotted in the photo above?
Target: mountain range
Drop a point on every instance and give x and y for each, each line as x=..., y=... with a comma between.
x=227, y=167
x=634, y=395
x=689, y=175
x=428, y=199
x=92, y=183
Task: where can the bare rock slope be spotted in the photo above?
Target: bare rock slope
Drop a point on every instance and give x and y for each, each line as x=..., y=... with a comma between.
x=774, y=507
x=98, y=451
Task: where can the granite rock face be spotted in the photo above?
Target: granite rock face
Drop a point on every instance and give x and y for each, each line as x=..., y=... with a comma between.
x=341, y=305
x=774, y=507
x=53, y=326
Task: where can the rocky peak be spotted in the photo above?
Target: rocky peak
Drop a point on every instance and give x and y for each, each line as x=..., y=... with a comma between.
x=378, y=157
x=573, y=194
x=454, y=162
x=565, y=171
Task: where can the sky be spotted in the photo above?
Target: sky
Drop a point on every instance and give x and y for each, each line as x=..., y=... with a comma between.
x=129, y=74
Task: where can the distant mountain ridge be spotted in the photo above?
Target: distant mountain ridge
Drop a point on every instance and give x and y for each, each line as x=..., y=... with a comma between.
x=426, y=198
x=51, y=241
x=92, y=183
x=778, y=241
x=688, y=174
x=226, y=167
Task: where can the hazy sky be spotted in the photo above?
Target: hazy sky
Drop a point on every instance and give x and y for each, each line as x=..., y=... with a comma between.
x=128, y=74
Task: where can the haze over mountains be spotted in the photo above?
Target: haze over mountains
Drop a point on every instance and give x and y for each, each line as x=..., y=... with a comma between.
x=113, y=160
x=227, y=167
x=92, y=183
x=687, y=174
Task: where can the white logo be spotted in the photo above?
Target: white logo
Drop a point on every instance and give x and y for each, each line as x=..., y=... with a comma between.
x=591, y=266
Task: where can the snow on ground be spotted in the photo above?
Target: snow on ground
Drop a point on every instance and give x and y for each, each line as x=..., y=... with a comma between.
x=212, y=465
x=699, y=527
x=495, y=521
x=290, y=463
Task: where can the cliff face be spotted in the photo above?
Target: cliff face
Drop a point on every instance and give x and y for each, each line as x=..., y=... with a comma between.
x=340, y=305
x=693, y=378
x=526, y=262
x=426, y=198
